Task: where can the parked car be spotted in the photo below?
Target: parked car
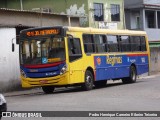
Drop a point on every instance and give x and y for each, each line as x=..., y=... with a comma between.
x=3, y=105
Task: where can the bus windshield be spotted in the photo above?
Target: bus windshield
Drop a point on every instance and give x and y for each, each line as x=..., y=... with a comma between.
x=42, y=50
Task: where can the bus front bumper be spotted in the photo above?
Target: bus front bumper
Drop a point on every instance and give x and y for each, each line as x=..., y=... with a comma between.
x=55, y=81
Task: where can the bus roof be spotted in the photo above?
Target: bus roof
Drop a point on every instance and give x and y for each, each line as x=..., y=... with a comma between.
x=105, y=31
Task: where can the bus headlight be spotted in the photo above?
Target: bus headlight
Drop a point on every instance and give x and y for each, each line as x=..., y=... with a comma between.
x=63, y=70
x=23, y=73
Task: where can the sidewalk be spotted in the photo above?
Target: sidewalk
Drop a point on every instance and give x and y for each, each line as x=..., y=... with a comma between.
x=37, y=90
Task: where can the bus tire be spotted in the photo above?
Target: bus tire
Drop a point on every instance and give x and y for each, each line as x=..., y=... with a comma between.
x=88, y=81
x=48, y=89
x=132, y=76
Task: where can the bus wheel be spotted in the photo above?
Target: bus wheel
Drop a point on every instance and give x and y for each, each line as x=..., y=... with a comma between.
x=132, y=76
x=100, y=83
x=88, y=81
x=48, y=89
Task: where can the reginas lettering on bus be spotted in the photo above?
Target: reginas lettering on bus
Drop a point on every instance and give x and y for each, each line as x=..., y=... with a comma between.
x=114, y=60
x=42, y=32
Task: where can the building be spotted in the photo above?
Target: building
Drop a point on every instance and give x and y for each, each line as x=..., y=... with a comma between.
x=93, y=13
x=145, y=15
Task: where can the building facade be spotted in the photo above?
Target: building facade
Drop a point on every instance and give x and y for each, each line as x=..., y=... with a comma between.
x=145, y=15
x=93, y=13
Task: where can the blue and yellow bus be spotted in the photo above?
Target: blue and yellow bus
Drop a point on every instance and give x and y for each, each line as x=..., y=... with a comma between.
x=64, y=56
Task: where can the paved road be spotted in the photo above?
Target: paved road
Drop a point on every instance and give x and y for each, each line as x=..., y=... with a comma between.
x=144, y=95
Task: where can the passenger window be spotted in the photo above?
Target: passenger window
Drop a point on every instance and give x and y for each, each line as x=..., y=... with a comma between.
x=112, y=43
x=135, y=43
x=124, y=43
x=100, y=43
x=88, y=43
x=143, y=44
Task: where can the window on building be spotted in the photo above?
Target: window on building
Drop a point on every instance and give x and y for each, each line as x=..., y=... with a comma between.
x=158, y=18
x=137, y=22
x=150, y=19
x=115, y=12
x=98, y=12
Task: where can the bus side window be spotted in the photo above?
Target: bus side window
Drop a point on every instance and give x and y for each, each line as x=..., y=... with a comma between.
x=89, y=46
x=74, y=49
x=143, y=44
x=124, y=43
x=112, y=43
x=100, y=43
x=135, y=43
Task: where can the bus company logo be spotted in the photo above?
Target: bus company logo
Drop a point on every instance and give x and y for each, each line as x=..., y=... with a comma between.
x=114, y=60
x=98, y=60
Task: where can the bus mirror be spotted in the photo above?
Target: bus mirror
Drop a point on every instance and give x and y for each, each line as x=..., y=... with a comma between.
x=12, y=47
x=70, y=36
x=17, y=40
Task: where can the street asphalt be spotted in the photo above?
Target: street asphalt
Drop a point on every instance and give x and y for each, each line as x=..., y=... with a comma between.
x=144, y=95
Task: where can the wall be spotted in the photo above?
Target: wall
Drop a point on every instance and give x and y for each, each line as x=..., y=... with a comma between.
x=155, y=59
x=9, y=61
x=153, y=34
x=3, y=3
x=70, y=7
x=29, y=4
x=133, y=3
x=156, y=2
x=80, y=8
x=16, y=18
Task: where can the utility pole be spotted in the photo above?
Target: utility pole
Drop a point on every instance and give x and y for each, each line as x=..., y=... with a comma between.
x=21, y=4
x=69, y=20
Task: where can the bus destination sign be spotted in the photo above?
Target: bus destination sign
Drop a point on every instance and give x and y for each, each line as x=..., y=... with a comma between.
x=43, y=32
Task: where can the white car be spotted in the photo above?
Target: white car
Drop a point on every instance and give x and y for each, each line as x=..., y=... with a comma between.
x=3, y=105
